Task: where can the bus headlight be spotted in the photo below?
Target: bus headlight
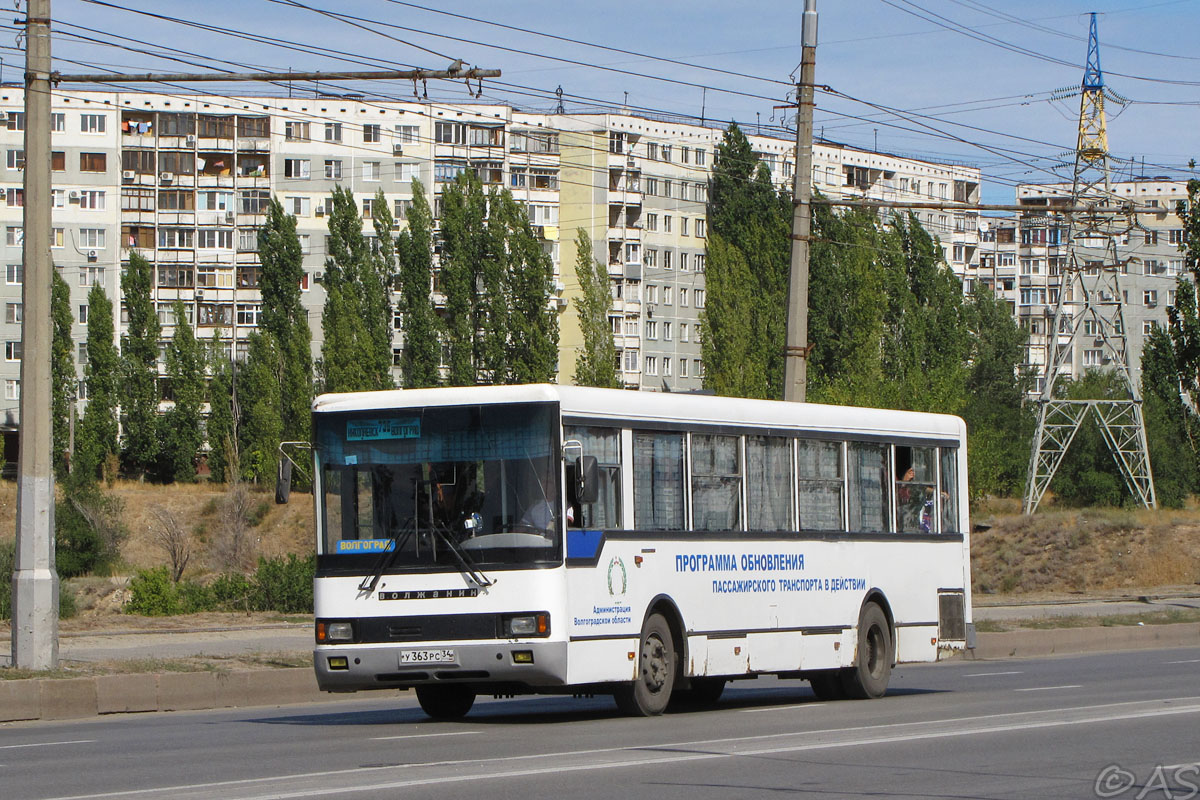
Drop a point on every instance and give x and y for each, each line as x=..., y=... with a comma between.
x=335, y=632
x=526, y=625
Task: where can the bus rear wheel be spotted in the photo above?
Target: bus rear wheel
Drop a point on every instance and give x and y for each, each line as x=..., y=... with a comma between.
x=445, y=702
x=868, y=678
x=649, y=695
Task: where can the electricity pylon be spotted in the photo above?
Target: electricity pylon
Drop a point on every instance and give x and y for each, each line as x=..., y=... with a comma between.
x=1090, y=296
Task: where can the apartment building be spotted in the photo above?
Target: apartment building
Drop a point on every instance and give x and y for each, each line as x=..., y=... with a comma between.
x=1022, y=259
x=185, y=181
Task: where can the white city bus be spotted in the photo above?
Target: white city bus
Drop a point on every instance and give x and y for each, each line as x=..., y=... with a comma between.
x=552, y=539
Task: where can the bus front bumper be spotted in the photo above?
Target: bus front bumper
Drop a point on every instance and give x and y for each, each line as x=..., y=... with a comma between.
x=504, y=663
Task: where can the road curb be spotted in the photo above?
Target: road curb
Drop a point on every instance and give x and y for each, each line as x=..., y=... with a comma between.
x=1069, y=641
x=74, y=698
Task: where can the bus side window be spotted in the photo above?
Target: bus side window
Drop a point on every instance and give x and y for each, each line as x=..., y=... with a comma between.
x=916, y=481
x=949, y=494
x=819, y=485
x=869, y=501
x=768, y=483
x=658, y=481
x=605, y=445
x=716, y=483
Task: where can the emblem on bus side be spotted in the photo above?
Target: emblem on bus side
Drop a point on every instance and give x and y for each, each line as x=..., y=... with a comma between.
x=618, y=579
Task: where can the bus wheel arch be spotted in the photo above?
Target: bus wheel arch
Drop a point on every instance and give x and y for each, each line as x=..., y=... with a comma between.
x=659, y=662
x=875, y=650
x=668, y=610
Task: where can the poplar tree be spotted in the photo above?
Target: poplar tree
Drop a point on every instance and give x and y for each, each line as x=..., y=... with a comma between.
x=596, y=364
x=285, y=318
x=63, y=379
x=750, y=216
x=139, y=367
x=96, y=441
x=182, y=428
x=377, y=282
x=261, y=426
x=532, y=323
x=221, y=426
x=346, y=354
x=463, y=248
x=421, y=353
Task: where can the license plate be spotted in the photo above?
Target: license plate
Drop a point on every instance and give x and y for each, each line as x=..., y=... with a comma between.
x=442, y=656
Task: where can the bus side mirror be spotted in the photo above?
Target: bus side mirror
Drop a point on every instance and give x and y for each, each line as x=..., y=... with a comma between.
x=587, y=480
x=283, y=481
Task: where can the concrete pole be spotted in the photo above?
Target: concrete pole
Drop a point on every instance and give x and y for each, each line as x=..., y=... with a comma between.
x=795, y=374
x=35, y=581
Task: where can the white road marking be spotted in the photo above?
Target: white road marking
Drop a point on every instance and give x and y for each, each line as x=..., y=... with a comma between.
x=1181, y=766
x=44, y=744
x=990, y=674
x=301, y=785
x=1189, y=661
x=779, y=708
x=1049, y=688
x=422, y=736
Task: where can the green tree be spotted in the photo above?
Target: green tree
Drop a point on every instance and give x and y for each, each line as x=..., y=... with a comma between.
x=221, y=426
x=464, y=244
x=63, y=379
x=421, y=352
x=139, y=367
x=347, y=362
x=532, y=323
x=596, y=364
x=730, y=346
x=182, y=429
x=285, y=318
x=1172, y=427
x=999, y=425
x=261, y=427
x=1088, y=474
x=377, y=282
x=97, y=437
x=748, y=214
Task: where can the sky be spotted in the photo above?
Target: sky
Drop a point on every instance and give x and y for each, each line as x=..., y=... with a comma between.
x=968, y=81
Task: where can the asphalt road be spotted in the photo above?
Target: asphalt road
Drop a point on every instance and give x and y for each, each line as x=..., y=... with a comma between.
x=1010, y=729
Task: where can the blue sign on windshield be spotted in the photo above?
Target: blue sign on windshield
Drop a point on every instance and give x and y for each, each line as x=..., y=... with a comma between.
x=366, y=545
x=365, y=430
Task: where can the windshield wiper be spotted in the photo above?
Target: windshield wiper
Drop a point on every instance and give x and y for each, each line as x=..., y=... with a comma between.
x=387, y=557
x=465, y=561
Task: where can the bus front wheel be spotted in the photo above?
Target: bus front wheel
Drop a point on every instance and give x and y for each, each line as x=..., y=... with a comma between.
x=445, y=702
x=868, y=678
x=649, y=694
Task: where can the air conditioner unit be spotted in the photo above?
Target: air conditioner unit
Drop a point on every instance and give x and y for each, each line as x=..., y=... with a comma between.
x=190, y=140
x=318, y=277
x=128, y=175
x=630, y=162
x=73, y=197
x=397, y=149
x=166, y=177
x=320, y=210
x=3, y=116
x=229, y=216
x=199, y=294
x=91, y=255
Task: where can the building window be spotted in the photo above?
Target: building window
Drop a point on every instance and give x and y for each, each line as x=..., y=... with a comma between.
x=667, y=257
x=650, y=258
x=406, y=134
x=1150, y=297
x=450, y=133
x=701, y=228
x=666, y=223
x=333, y=131
x=700, y=157
x=651, y=365
x=631, y=360
x=92, y=238
x=216, y=238
x=683, y=367
x=407, y=173
x=12, y=389
x=400, y=208
x=666, y=152
x=698, y=297
x=16, y=120
x=683, y=226
x=93, y=162
x=13, y=313
x=667, y=299
x=14, y=236
x=299, y=206
x=371, y=134
x=14, y=274
x=368, y=205
x=1092, y=358
x=13, y=350
x=683, y=297
x=666, y=331
x=296, y=168
x=16, y=159
x=13, y=198
x=370, y=170
x=255, y=201
x=91, y=200
x=651, y=329
x=333, y=170
x=294, y=131
x=89, y=123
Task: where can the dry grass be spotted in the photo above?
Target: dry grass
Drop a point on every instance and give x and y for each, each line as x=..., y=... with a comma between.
x=1170, y=617
x=1084, y=550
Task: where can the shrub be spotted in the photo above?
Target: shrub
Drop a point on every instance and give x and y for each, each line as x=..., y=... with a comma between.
x=154, y=594
x=87, y=531
x=8, y=557
x=284, y=585
x=230, y=592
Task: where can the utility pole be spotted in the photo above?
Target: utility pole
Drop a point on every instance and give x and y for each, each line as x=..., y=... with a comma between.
x=35, y=581
x=795, y=369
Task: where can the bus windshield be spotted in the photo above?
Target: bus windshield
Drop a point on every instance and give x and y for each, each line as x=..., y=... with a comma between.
x=434, y=488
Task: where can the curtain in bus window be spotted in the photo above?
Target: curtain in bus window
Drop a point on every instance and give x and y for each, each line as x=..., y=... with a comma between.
x=950, y=491
x=819, y=485
x=768, y=482
x=916, y=482
x=868, y=487
x=716, y=483
x=605, y=445
x=658, y=481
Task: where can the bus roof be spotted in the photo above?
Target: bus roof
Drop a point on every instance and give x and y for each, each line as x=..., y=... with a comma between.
x=618, y=405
